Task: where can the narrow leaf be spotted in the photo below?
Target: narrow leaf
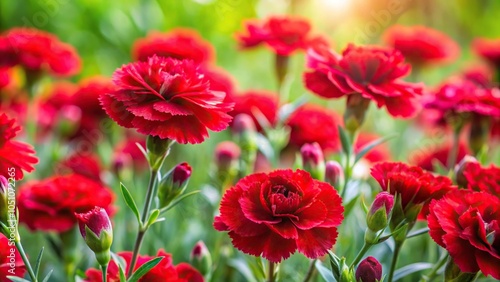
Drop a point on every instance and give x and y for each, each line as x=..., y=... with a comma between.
x=288, y=109
x=348, y=207
x=123, y=278
x=178, y=200
x=130, y=202
x=46, y=279
x=345, y=141
x=38, y=261
x=368, y=147
x=324, y=272
x=152, y=218
x=145, y=268
x=410, y=269
x=265, y=147
x=242, y=267
x=17, y=279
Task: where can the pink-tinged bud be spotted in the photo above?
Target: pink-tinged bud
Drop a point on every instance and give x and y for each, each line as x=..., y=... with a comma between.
x=227, y=154
x=334, y=173
x=97, y=232
x=461, y=168
x=200, y=258
x=243, y=123
x=369, y=270
x=377, y=217
x=312, y=160
x=174, y=183
x=4, y=188
x=69, y=119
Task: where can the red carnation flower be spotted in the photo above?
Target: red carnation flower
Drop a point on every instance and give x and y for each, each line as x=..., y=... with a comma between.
x=311, y=124
x=422, y=45
x=14, y=154
x=481, y=75
x=439, y=154
x=6, y=260
x=275, y=214
x=256, y=101
x=83, y=164
x=163, y=271
x=37, y=50
x=50, y=204
x=467, y=225
x=372, y=72
x=127, y=153
x=220, y=80
x=180, y=43
x=483, y=179
x=489, y=49
x=162, y=96
x=283, y=34
x=416, y=186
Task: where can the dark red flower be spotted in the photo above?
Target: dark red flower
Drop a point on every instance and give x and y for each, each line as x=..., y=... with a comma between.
x=416, y=186
x=489, y=49
x=50, y=204
x=167, y=98
x=378, y=154
x=438, y=154
x=11, y=263
x=467, y=225
x=283, y=34
x=256, y=101
x=422, y=45
x=83, y=164
x=14, y=154
x=311, y=124
x=165, y=271
x=369, y=71
x=180, y=43
x=483, y=179
x=275, y=214
x=37, y=50
x=369, y=270
x=481, y=75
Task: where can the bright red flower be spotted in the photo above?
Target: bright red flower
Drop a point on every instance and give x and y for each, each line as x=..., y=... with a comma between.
x=378, y=154
x=483, y=179
x=489, y=49
x=37, y=50
x=422, y=45
x=255, y=101
x=53, y=103
x=14, y=154
x=283, y=34
x=311, y=124
x=127, y=152
x=416, y=186
x=83, y=164
x=180, y=43
x=467, y=225
x=369, y=71
x=165, y=271
x=220, y=80
x=428, y=156
x=50, y=204
x=11, y=263
x=162, y=96
x=275, y=214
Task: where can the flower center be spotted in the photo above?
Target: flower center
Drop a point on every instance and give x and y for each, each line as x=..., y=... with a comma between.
x=280, y=189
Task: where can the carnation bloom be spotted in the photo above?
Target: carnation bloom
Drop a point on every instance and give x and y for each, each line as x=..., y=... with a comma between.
x=127, y=152
x=427, y=157
x=163, y=271
x=483, y=179
x=422, y=45
x=489, y=49
x=416, y=186
x=36, y=51
x=310, y=124
x=6, y=260
x=180, y=43
x=84, y=164
x=162, y=96
x=50, y=204
x=363, y=73
x=283, y=34
x=14, y=154
x=275, y=214
x=481, y=75
x=467, y=225
x=256, y=102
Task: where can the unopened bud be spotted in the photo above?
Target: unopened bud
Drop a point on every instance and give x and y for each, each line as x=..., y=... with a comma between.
x=97, y=232
x=243, y=123
x=334, y=173
x=69, y=119
x=201, y=258
x=312, y=160
x=157, y=149
x=369, y=270
x=377, y=217
x=174, y=183
x=227, y=154
x=354, y=115
x=461, y=168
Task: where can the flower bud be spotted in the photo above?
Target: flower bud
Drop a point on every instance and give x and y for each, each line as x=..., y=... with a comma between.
x=369, y=270
x=377, y=217
x=157, y=149
x=227, y=154
x=334, y=173
x=243, y=123
x=96, y=230
x=4, y=188
x=312, y=160
x=69, y=119
x=461, y=168
x=354, y=115
x=173, y=183
x=200, y=258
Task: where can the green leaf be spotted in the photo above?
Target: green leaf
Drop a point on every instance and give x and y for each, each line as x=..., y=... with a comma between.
x=348, y=207
x=412, y=268
x=17, y=279
x=123, y=278
x=38, y=261
x=145, y=268
x=118, y=260
x=130, y=202
x=368, y=147
x=46, y=279
x=178, y=200
x=265, y=147
x=418, y=232
x=242, y=267
x=287, y=110
x=324, y=272
x=335, y=264
x=152, y=218
x=143, y=151
x=345, y=141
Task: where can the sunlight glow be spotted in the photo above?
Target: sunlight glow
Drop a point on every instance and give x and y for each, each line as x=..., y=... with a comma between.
x=339, y=5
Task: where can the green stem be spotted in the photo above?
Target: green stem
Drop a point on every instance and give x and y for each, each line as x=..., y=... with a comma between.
x=453, y=154
x=361, y=253
x=145, y=213
x=418, y=232
x=310, y=271
x=20, y=249
x=348, y=165
x=270, y=273
x=435, y=269
x=395, y=256
x=104, y=272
